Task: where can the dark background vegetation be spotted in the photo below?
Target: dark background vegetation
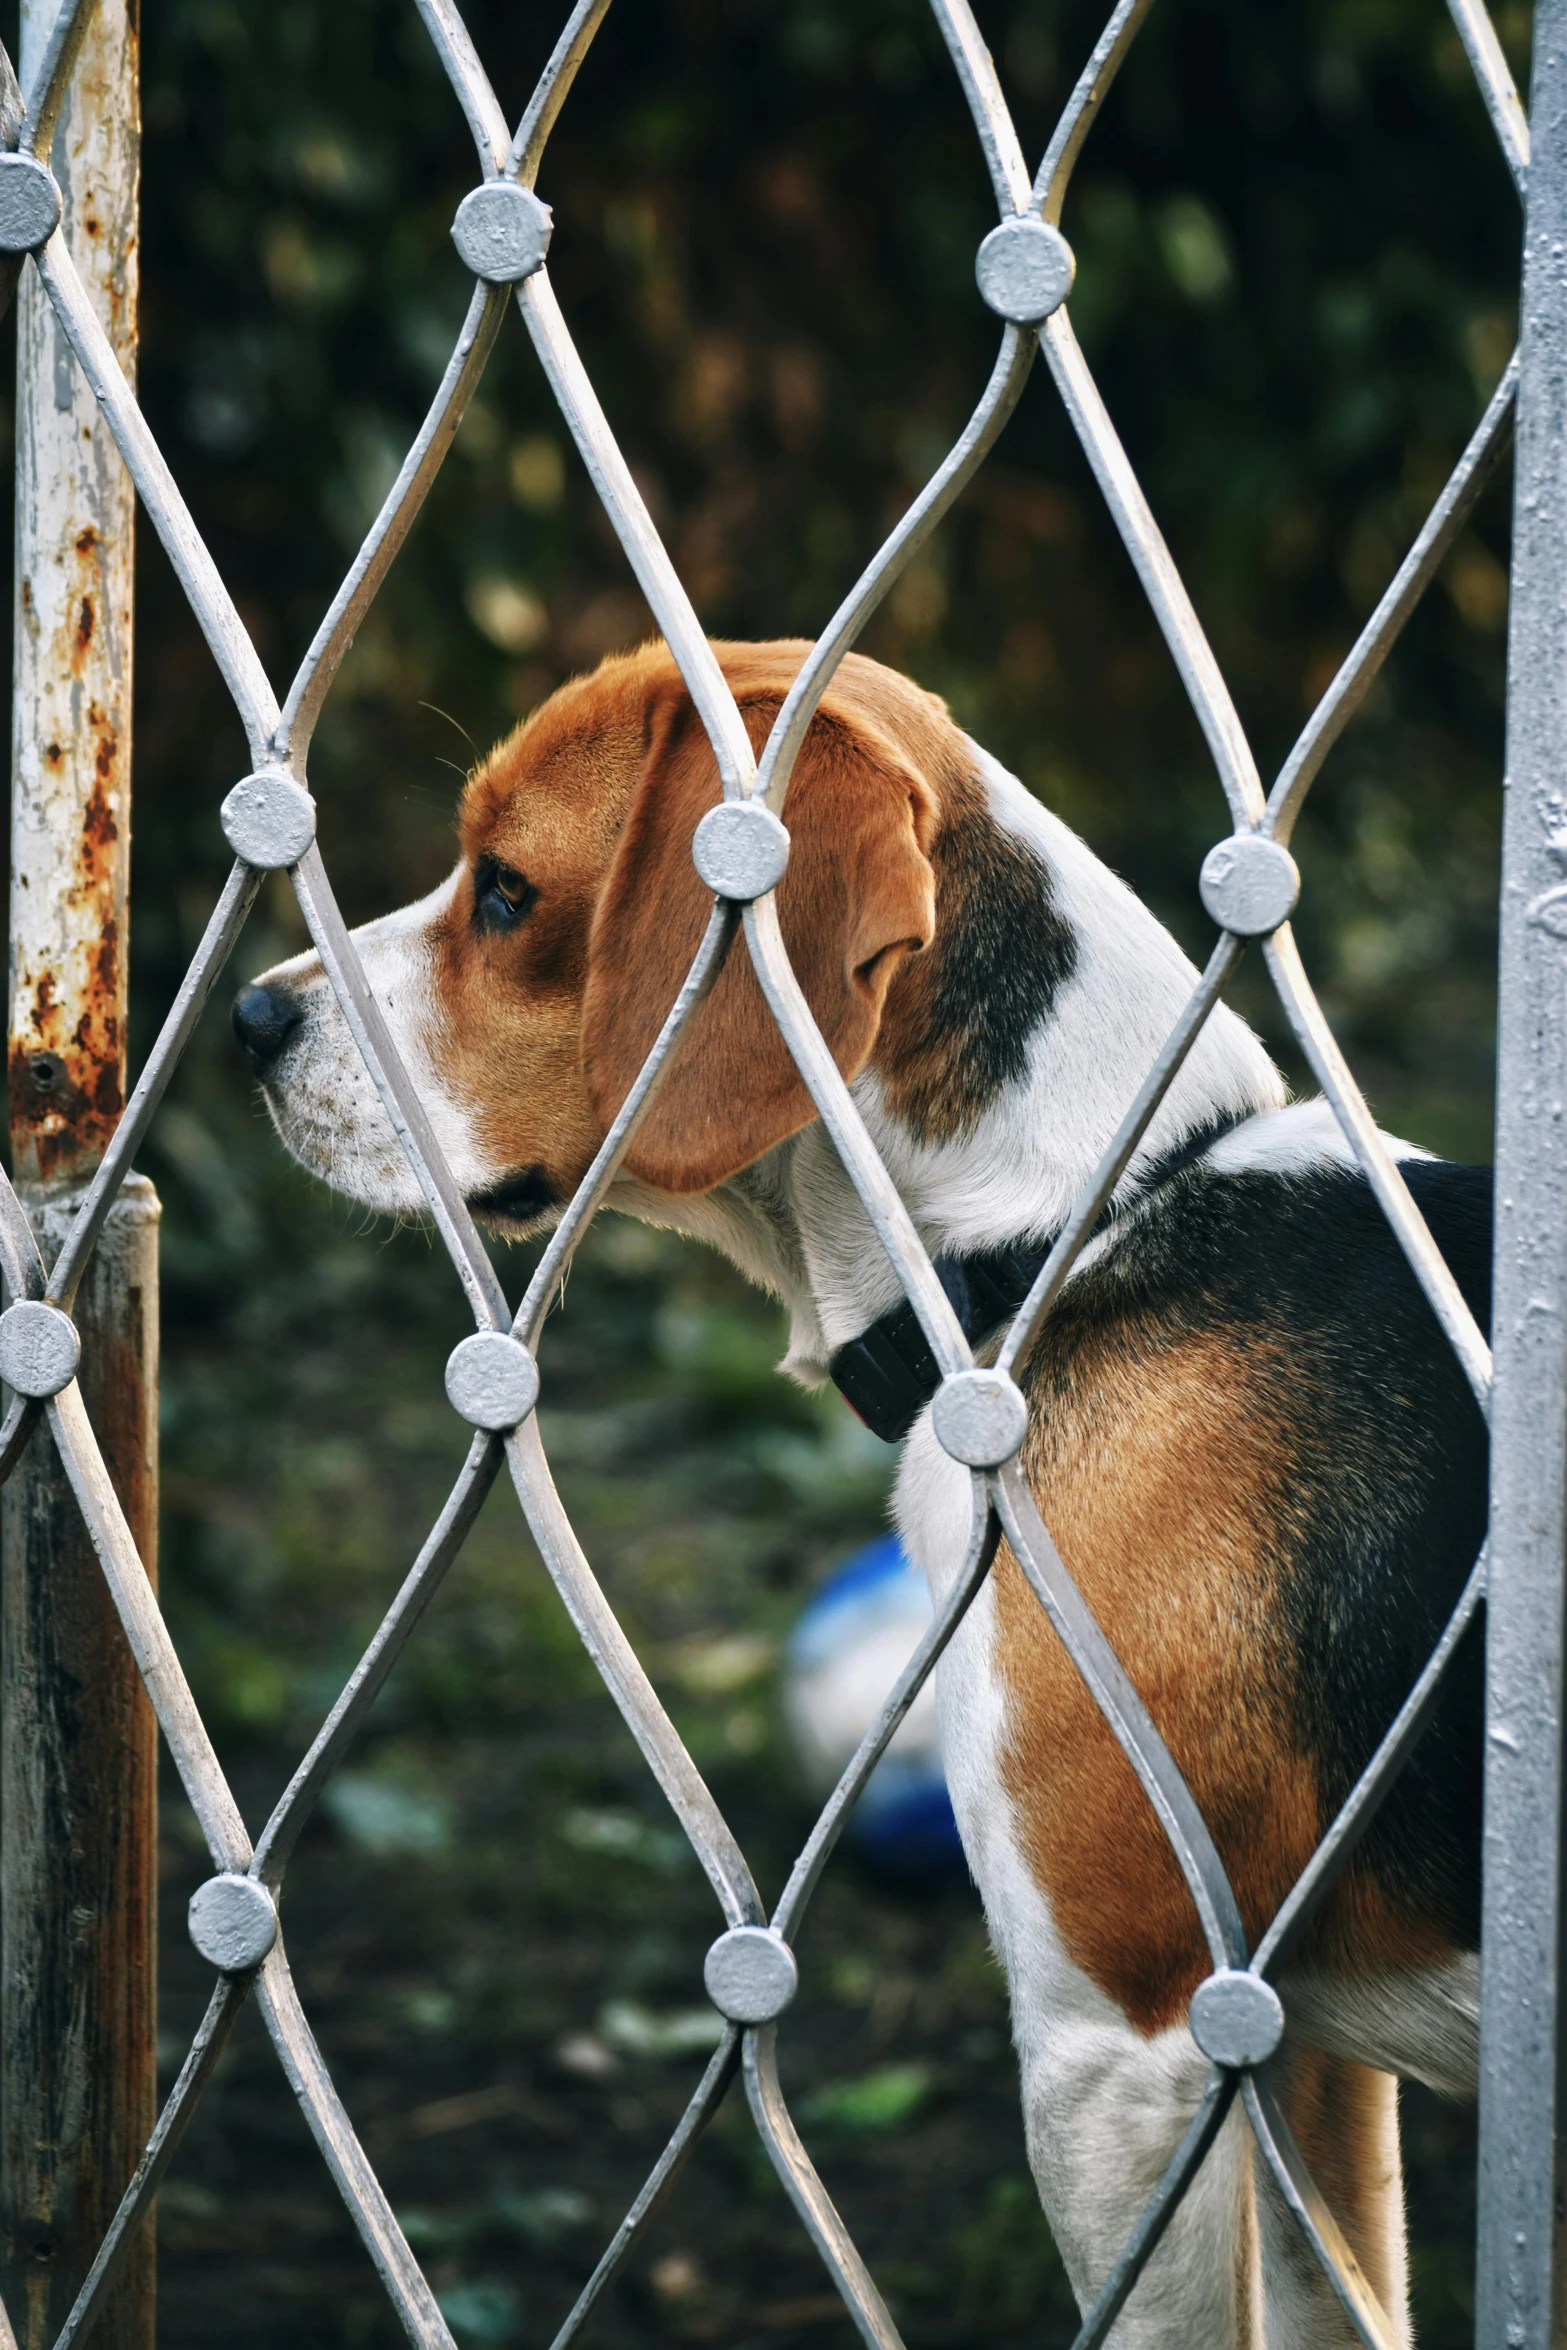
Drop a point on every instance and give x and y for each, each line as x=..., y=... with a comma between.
x=1297, y=256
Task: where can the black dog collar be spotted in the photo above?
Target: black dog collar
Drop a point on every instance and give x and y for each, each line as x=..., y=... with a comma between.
x=888, y=1374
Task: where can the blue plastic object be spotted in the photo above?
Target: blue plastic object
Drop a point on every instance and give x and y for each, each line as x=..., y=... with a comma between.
x=845, y=1654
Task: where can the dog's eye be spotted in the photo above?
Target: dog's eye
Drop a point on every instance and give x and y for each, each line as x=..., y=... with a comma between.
x=501, y=895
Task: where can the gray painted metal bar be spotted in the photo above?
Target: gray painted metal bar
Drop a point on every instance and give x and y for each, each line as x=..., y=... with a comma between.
x=1519, y=2286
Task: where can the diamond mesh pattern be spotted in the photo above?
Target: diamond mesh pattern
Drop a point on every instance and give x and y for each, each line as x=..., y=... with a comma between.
x=1001, y=1502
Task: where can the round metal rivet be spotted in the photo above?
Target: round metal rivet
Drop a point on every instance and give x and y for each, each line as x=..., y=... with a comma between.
x=750, y=1974
x=1025, y=269
x=1236, y=2018
x=233, y=1922
x=502, y=232
x=1249, y=884
x=740, y=850
x=39, y=1348
x=979, y=1417
x=492, y=1380
x=29, y=204
x=269, y=820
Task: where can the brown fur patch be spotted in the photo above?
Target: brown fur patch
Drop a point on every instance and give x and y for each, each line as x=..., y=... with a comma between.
x=857, y=898
x=1163, y=1469
x=548, y=801
x=1154, y=1487
x=594, y=800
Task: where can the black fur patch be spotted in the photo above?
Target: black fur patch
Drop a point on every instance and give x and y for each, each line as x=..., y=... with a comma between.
x=1002, y=951
x=1381, y=1457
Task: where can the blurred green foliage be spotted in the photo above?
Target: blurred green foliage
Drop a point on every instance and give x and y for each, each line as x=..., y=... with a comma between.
x=1297, y=253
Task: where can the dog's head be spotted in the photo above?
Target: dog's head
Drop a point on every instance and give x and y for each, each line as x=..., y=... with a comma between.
x=527, y=990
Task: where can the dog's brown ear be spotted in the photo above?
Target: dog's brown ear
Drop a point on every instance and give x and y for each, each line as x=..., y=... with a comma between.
x=859, y=895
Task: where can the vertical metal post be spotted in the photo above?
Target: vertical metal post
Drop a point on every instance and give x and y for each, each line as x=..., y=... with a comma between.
x=77, y=1752
x=1519, y=2284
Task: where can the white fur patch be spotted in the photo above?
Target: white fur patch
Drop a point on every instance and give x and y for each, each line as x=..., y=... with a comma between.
x=1425, y=2026
x=1017, y=1174
x=322, y=1097
x=1293, y=1140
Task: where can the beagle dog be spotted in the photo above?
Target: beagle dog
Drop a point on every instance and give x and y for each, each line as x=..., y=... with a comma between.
x=1248, y=1438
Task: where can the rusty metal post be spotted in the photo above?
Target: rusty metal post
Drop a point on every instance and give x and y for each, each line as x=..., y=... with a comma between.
x=77, y=1751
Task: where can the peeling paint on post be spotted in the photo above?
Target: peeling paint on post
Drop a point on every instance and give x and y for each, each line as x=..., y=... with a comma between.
x=71, y=725
x=77, y=1748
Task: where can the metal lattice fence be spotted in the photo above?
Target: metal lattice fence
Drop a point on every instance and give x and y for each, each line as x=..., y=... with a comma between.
x=1250, y=885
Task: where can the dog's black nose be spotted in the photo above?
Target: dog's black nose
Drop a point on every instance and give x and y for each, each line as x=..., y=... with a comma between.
x=264, y=1020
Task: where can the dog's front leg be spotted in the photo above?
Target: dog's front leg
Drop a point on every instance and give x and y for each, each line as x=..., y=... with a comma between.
x=1105, y=2105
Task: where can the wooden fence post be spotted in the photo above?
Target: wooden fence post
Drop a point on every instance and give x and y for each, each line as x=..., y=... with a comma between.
x=77, y=1747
